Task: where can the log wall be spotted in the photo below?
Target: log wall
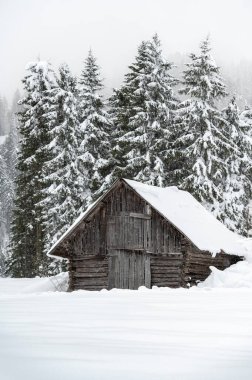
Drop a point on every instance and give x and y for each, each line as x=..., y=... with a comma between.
x=125, y=243
x=197, y=263
x=90, y=273
x=166, y=270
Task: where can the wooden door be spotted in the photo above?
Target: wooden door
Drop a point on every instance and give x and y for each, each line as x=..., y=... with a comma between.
x=128, y=238
x=128, y=270
x=131, y=231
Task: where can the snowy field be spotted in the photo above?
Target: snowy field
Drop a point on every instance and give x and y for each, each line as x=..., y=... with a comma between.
x=159, y=334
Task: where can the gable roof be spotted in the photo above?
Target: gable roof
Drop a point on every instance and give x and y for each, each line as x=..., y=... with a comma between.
x=182, y=210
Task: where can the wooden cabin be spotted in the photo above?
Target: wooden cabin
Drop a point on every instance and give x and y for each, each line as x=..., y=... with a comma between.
x=137, y=234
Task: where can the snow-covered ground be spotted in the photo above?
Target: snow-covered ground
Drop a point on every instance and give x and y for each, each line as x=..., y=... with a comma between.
x=159, y=334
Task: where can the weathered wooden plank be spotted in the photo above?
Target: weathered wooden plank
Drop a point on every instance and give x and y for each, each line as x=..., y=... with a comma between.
x=89, y=287
x=131, y=271
x=83, y=269
x=89, y=258
x=167, y=265
x=169, y=285
x=111, y=274
x=138, y=270
x=161, y=279
x=90, y=275
x=126, y=270
x=167, y=272
x=90, y=281
x=147, y=271
x=83, y=266
x=139, y=215
x=89, y=261
x=165, y=256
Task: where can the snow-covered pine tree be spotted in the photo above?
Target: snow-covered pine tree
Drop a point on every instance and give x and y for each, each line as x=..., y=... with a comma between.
x=237, y=186
x=246, y=126
x=246, y=118
x=94, y=147
x=5, y=202
x=10, y=148
x=119, y=116
x=200, y=140
x=65, y=185
x=3, y=116
x=7, y=193
x=142, y=112
x=27, y=237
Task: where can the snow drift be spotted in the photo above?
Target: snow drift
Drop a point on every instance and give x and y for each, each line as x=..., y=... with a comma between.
x=237, y=276
x=58, y=283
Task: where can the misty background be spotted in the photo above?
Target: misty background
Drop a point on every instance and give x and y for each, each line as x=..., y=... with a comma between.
x=64, y=31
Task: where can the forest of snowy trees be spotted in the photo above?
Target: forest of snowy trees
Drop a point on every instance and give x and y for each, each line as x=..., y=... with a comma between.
x=65, y=145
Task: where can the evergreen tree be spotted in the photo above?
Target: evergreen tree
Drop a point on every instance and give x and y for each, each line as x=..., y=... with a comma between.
x=246, y=127
x=7, y=186
x=27, y=238
x=201, y=143
x=142, y=111
x=10, y=148
x=119, y=119
x=236, y=182
x=94, y=151
x=9, y=158
x=5, y=201
x=246, y=119
x=65, y=184
x=3, y=116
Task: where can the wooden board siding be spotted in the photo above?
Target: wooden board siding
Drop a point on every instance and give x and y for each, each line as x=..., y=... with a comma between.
x=128, y=232
x=129, y=270
x=164, y=237
x=125, y=221
x=125, y=243
x=90, y=237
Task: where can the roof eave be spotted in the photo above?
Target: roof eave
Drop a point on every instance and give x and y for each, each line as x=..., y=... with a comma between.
x=59, y=242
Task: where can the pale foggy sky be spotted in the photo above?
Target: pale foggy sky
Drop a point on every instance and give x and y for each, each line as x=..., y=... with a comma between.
x=64, y=30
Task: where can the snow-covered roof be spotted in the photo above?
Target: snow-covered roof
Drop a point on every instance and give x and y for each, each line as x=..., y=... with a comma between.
x=192, y=219
x=188, y=216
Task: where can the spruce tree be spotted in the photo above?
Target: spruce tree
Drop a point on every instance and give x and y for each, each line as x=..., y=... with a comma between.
x=5, y=203
x=201, y=143
x=94, y=150
x=236, y=182
x=27, y=237
x=65, y=185
x=142, y=113
x=246, y=126
x=119, y=116
x=9, y=158
x=4, y=127
x=8, y=152
x=246, y=118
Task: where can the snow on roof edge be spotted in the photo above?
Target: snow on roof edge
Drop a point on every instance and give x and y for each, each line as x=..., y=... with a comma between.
x=69, y=230
x=78, y=221
x=184, y=212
